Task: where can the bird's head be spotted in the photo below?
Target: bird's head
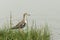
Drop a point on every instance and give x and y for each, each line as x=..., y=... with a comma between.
x=26, y=14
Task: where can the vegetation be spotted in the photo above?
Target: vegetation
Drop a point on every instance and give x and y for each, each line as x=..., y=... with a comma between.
x=32, y=34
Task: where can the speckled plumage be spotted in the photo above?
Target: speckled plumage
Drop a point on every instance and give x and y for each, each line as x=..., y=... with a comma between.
x=22, y=23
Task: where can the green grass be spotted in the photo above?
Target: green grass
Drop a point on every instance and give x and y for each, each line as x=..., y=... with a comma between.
x=33, y=34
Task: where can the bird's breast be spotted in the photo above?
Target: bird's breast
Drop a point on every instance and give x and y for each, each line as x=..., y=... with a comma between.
x=25, y=21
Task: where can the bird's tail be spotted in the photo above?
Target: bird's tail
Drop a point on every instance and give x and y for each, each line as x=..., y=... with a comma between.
x=14, y=28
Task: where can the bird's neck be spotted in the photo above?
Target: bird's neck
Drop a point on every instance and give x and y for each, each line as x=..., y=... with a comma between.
x=25, y=19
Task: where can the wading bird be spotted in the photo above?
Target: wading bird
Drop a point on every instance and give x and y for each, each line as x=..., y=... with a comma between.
x=21, y=24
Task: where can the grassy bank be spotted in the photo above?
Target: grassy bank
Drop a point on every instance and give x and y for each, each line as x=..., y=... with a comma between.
x=33, y=34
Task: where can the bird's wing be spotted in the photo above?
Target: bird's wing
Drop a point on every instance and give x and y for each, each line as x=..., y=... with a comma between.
x=19, y=25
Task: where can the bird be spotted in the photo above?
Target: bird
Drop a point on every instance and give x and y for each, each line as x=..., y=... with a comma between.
x=22, y=23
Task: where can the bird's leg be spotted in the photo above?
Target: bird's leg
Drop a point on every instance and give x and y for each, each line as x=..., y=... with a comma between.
x=21, y=31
